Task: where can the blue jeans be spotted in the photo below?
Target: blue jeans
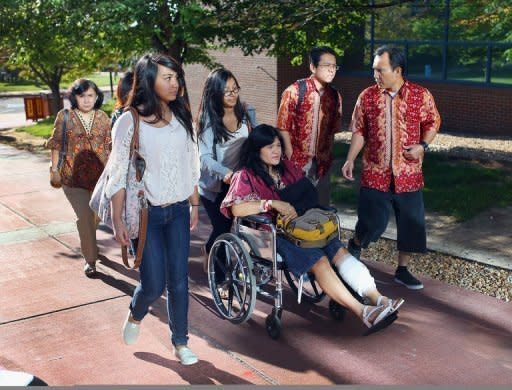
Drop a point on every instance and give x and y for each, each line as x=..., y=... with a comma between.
x=165, y=265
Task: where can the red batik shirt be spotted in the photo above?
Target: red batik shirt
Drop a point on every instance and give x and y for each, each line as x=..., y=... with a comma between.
x=311, y=128
x=389, y=125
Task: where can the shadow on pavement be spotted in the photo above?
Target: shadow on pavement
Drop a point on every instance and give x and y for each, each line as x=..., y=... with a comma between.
x=201, y=373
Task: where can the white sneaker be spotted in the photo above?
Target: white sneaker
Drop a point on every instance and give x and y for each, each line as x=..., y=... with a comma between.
x=185, y=354
x=130, y=330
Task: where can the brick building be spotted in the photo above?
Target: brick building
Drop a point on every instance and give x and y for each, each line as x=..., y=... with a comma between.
x=465, y=108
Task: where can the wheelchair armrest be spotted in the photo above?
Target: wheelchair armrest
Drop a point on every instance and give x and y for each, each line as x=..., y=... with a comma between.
x=328, y=208
x=258, y=218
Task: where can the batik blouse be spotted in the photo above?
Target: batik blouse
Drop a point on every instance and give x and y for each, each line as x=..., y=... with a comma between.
x=98, y=140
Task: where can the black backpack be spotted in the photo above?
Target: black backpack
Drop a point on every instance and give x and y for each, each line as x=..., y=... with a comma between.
x=302, y=93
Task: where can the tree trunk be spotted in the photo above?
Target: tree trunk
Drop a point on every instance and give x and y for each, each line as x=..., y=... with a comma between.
x=353, y=58
x=176, y=51
x=56, y=103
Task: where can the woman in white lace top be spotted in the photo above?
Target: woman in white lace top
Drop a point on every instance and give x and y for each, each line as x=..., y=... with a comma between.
x=169, y=148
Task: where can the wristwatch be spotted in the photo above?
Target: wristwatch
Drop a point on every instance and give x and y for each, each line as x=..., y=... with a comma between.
x=54, y=169
x=425, y=145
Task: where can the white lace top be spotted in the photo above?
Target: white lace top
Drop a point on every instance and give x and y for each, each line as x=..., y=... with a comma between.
x=172, y=160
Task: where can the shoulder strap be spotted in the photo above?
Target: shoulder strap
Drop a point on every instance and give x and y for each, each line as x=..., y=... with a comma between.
x=246, y=118
x=302, y=92
x=336, y=96
x=63, y=147
x=143, y=216
x=134, y=145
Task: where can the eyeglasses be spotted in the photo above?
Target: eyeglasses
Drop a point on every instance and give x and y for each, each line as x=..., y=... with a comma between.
x=233, y=92
x=329, y=66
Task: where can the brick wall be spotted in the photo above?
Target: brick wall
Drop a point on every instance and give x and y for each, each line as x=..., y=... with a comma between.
x=473, y=109
x=258, y=88
x=466, y=109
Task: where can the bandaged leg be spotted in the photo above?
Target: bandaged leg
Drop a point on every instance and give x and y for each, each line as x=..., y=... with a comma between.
x=356, y=275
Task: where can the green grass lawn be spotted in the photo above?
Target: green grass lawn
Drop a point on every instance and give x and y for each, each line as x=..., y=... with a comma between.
x=21, y=87
x=101, y=79
x=43, y=128
x=458, y=188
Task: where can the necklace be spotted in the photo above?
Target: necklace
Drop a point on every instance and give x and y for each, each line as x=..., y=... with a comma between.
x=87, y=124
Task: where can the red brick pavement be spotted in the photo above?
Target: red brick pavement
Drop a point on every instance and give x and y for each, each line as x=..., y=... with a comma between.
x=65, y=328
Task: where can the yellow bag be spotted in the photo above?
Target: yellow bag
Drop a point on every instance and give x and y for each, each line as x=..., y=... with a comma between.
x=314, y=229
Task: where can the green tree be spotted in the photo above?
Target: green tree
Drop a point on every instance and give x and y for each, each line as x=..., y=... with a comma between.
x=289, y=28
x=184, y=29
x=52, y=38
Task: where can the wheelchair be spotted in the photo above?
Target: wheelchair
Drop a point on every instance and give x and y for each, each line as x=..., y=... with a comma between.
x=245, y=264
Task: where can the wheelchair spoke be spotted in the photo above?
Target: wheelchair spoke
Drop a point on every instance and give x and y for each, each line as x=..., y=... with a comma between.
x=228, y=255
x=230, y=300
x=237, y=295
x=221, y=265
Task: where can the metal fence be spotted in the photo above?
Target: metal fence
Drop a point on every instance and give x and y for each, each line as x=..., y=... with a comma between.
x=452, y=60
x=482, y=62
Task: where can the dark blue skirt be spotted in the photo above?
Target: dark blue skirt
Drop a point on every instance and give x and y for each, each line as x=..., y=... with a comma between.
x=300, y=260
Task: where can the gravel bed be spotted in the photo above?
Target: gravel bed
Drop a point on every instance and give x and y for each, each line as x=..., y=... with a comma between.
x=488, y=280
x=464, y=146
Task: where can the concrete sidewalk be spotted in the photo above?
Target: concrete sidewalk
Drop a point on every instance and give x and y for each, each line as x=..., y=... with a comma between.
x=66, y=329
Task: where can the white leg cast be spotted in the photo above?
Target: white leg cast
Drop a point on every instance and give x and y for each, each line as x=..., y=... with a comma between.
x=356, y=275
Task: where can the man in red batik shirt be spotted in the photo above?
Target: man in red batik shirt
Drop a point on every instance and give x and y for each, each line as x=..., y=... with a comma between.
x=395, y=120
x=309, y=116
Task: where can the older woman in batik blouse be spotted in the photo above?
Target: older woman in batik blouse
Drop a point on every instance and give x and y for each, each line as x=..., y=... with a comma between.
x=80, y=145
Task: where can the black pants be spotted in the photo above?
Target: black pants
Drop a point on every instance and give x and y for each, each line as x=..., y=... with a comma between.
x=220, y=223
x=373, y=215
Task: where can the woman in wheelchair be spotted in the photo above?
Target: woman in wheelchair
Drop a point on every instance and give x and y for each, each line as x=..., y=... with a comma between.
x=258, y=187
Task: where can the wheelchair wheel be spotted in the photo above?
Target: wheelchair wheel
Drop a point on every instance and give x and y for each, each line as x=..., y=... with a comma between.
x=336, y=310
x=273, y=324
x=234, y=293
x=311, y=291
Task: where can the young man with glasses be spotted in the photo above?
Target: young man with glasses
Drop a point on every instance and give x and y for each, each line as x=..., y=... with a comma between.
x=309, y=116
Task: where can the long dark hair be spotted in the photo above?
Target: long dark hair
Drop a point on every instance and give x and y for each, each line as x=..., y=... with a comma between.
x=262, y=135
x=124, y=87
x=211, y=110
x=79, y=86
x=143, y=97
